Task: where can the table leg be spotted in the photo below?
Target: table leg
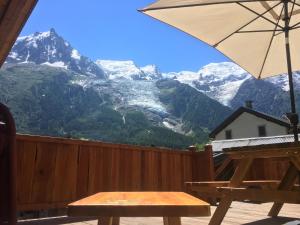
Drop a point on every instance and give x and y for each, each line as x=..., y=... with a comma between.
x=105, y=221
x=237, y=178
x=296, y=162
x=116, y=221
x=286, y=184
x=221, y=211
x=240, y=172
x=172, y=221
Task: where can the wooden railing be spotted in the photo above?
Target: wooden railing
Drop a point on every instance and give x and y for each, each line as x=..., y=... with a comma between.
x=55, y=171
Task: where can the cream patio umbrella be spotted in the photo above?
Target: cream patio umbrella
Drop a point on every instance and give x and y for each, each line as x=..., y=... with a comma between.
x=262, y=36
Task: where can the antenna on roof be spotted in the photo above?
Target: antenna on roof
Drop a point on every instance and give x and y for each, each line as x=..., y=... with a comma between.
x=248, y=104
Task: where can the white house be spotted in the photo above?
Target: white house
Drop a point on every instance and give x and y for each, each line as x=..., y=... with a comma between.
x=248, y=123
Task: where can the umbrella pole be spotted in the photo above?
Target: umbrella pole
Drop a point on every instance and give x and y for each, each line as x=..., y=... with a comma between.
x=293, y=116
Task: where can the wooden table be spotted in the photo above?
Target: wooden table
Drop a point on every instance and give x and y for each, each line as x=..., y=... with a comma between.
x=110, y=206
x=285, y=191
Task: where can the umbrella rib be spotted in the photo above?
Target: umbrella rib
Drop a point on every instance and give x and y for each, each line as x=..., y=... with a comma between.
x=251, y=21
x=295, y=25
x=296, y=4
x=267, y=6
x=292, y=11
x=294, y=28
x=270, y=44
x=281, y=32
x=260, y=15
x=256, y=31
x=193, y=5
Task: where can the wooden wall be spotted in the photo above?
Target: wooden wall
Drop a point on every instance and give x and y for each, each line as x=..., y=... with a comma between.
x=55, y=171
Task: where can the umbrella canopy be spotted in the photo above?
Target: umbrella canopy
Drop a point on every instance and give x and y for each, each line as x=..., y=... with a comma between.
x=263, y=37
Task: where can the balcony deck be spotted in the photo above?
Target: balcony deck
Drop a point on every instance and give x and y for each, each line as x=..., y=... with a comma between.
x=239, y=213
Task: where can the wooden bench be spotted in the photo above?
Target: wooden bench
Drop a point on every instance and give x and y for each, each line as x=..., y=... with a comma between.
x=210, y=190
x=279, y=196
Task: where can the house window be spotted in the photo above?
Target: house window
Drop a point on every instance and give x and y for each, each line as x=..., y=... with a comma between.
x=228, y=134
x=262, y=131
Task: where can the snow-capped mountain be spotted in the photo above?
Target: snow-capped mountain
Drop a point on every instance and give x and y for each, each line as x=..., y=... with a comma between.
x=220, y=81
x=128, y=70
x=282, y=81
x=129, y=85
x=50, y=49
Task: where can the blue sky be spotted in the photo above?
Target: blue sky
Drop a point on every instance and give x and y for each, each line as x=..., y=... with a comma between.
x=116, y=30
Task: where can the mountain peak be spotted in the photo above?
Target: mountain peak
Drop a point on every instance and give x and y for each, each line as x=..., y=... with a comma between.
x=39, y=36
x=52, y=30
x=151, y=72
x=48, y=48
x=221, y=70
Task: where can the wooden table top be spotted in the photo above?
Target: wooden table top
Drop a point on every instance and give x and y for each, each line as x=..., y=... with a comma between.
x=139, y=204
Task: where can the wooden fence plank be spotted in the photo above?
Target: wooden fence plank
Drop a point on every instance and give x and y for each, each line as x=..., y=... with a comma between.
x=115, y=169
x=26, y=155
x=44, y=173
x=66, y=168
x=95, y=170
x=82, y=172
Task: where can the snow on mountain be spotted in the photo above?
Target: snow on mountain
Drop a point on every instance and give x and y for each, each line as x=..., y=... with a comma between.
x=187, y=77
x=128, y=70
x=127, y=92
x=75, y=54
x=151, y=72
x=219, y=81
x=222, y=71
x=119, y=69
x=141, y=93
x=48, y=48
x=56, y=64
x=283, y=82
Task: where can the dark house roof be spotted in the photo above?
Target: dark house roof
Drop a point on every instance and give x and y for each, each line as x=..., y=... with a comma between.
x=240, y=111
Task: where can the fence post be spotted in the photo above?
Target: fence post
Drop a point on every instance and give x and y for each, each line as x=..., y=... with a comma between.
x=202, y=164
x=209, y=154
x=192, y=148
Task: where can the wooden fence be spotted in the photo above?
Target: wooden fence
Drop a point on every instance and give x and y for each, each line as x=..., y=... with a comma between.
x=55, y=171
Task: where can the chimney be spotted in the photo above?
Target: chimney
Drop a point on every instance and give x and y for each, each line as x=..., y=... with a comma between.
x=248, y=104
